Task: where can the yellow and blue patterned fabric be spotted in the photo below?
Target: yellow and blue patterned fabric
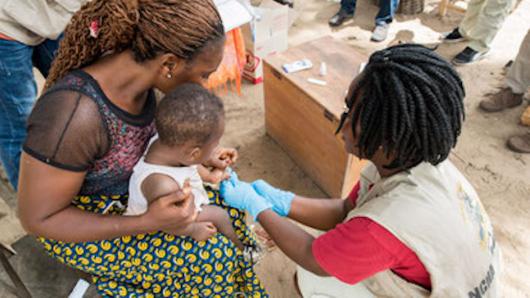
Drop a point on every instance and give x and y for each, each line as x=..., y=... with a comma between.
x=160, y=264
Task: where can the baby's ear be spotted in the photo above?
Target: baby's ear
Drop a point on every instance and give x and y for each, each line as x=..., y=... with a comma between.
x=195, y=153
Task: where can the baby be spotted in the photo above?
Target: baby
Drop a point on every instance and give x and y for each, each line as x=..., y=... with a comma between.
x=190, y=123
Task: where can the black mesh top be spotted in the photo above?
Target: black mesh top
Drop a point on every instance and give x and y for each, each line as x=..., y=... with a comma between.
x=74, y=126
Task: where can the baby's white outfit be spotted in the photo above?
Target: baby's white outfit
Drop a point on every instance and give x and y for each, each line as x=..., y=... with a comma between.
x=137, y=202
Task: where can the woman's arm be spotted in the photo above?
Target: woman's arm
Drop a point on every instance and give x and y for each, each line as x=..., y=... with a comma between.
x=44, y=201
x=321, y=214
x=292, y=240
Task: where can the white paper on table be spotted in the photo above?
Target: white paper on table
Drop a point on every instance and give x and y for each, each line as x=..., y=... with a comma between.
x=233, y=13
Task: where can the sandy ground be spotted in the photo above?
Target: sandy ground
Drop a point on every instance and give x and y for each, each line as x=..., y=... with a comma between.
x=500, y=176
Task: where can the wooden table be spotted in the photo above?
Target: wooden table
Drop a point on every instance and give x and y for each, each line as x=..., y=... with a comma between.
x=302, y=117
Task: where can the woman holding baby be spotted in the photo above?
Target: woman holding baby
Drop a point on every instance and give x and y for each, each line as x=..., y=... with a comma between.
x=93, y=124
x=412, y=227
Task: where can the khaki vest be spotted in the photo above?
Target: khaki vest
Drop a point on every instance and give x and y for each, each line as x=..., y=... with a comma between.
x=436, y=212
x=32, y=21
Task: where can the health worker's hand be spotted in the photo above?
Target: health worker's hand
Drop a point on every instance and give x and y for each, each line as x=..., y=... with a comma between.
x=281, y=200
x=241, y=195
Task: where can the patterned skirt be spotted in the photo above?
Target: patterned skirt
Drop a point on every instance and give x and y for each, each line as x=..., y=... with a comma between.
x=160, y=264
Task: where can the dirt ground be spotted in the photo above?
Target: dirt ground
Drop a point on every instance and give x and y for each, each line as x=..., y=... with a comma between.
x=502, y=178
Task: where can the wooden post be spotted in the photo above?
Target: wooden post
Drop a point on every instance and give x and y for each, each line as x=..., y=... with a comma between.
x=446, y=5
x=443, y=7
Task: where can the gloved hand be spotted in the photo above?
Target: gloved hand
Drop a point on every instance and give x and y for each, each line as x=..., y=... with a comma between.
x=281, y=200
x=241, y=195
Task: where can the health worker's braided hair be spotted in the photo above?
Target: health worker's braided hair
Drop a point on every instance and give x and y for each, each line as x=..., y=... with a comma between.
x=409, y=102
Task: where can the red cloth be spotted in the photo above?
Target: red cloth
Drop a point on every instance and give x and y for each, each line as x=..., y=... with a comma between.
x=360, y=248
x=5, y=37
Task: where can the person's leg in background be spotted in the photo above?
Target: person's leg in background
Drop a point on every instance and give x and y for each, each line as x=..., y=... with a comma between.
x=17, y=95
x=521, y=143
x=518, y=76
x=385, y=16
x=481, y=29
x=346, y=11
x=44, y=54
x=461, y=33
x=518, y=80
x=18, y=91
x=517, y=83
x=473, y=10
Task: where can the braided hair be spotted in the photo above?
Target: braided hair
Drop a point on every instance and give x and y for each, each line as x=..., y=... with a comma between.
x=409, y=102
x=146, y=27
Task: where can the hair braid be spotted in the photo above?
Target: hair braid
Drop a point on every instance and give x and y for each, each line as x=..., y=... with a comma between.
x=147, y=28
x=409, y=101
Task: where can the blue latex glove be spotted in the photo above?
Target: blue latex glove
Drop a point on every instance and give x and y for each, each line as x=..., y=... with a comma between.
x=241, y=195
x=281, y=200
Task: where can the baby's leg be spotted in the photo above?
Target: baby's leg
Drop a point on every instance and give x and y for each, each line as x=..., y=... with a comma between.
x=219, y=217
x=200, y=231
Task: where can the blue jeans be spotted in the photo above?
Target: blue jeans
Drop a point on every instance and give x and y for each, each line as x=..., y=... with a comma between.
x=387, y=9
x=18, y=91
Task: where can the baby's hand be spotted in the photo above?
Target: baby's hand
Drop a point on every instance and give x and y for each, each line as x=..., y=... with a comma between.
x=213, y=175
x=222, y=158
x=216, y=176
x=203, y=231
x=229, y=156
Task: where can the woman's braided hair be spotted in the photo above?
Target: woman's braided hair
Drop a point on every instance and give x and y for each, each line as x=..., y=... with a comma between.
x=409, y=101
x=146, y=27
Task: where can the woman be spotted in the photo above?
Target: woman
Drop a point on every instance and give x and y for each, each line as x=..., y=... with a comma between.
x=90, y=128
x=413, y=226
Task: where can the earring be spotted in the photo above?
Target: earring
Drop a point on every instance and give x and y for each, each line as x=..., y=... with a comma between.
x=169, y=76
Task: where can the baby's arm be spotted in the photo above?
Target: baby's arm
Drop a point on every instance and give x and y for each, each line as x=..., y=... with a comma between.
x=158, y=185
x=214, y=176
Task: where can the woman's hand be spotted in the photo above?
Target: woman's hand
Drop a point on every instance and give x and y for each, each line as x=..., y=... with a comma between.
x=281, y=200
x=241, y=195
x=45, y=207
x=222, y=158
x=172, y=211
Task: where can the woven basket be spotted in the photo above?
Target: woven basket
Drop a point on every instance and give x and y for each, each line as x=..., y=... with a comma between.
x=411, y=6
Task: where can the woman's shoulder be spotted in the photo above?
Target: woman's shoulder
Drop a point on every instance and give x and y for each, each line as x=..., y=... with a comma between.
x=65, y=129
x=65, y=103
x=77, y=82
x=81, y=83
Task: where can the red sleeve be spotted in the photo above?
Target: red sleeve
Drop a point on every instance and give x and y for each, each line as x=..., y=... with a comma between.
x=350, y=253
x=354, y=194
x=360, y=248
